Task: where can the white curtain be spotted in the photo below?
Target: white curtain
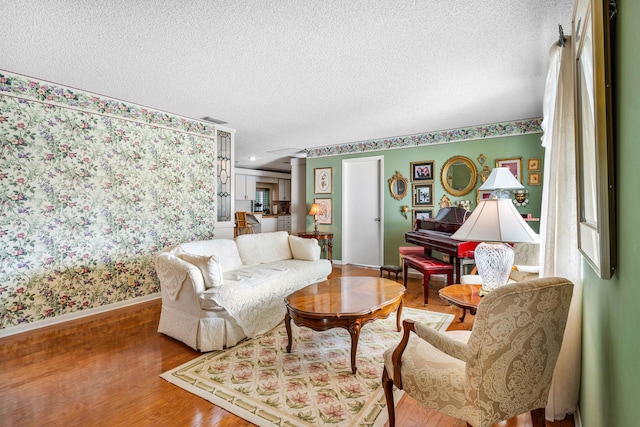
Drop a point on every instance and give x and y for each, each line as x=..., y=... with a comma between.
x=559, y=255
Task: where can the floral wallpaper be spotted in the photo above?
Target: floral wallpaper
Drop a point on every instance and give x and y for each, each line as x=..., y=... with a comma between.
x=453, y=135
x=90, y=189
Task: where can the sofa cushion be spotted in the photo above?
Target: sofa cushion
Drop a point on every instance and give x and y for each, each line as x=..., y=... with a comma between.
x=304, y=249
x=208, y=265
x=264, y=247
x=224, y=249
x=254, y=294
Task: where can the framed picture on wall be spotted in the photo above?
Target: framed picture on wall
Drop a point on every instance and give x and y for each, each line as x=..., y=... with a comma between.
x=534, y=178
x=514, y=165
x=533, y=164
x=325, y=205
x=482, y=195
x=422, y=170
x=422, y=194
x=322, y=180
x=422, y=214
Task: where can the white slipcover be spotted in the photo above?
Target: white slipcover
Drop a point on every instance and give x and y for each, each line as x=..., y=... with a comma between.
x=259, y=271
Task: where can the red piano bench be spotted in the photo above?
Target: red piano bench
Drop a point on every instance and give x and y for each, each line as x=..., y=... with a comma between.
x=409, y=250
x=427, y=266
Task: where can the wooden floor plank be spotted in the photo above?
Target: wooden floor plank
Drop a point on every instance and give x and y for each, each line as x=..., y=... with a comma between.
x=104, y=371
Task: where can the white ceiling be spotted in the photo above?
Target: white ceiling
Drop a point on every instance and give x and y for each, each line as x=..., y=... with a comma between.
x=295, y=74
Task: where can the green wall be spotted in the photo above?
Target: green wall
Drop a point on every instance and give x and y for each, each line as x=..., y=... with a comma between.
x=395, y=225
x=611, y=341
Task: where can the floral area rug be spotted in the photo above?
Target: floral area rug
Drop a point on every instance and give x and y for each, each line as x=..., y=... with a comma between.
x=312, y=386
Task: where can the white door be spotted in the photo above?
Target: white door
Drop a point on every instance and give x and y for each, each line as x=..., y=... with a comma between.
x=362, y=222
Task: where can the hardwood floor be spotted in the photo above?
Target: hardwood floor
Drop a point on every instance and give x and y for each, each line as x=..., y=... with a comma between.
x=105, y=372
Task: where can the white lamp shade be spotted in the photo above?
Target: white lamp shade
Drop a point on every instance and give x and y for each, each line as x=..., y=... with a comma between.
x=501, y=178
x=496, y=220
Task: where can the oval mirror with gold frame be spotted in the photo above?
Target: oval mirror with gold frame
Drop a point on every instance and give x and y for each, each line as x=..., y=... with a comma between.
x=398, y=186
x=458, y=176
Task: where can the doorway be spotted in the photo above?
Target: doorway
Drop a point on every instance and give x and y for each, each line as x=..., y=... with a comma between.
x=362, y=213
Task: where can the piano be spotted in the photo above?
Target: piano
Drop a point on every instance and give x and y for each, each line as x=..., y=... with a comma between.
x=434, y=234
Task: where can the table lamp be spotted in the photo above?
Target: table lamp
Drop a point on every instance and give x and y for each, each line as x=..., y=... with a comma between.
x=501, y=181
x=494, y=222
x=315, y=210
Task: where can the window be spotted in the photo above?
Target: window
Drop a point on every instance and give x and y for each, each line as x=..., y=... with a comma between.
x=224, y=176
x=262, y=199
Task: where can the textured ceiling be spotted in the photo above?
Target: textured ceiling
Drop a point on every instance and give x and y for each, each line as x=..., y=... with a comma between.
x=294, y=74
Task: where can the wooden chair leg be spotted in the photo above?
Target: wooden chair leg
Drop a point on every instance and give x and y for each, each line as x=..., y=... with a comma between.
x=537, y=418
x=387, y=385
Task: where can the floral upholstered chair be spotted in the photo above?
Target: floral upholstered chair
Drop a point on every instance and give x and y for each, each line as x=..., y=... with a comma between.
x=500, y=369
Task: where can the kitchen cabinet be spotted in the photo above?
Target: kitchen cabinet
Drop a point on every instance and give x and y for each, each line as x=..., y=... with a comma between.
x=245, y=187
x=269, y=224
x=284, y=190
x=284, y=223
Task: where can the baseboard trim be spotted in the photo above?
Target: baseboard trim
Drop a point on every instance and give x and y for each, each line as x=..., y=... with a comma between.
x=577, y=420
x=67, y=319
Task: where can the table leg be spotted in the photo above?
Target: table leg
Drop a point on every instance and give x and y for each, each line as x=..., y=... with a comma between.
x=354, y=331
x=399, y=315
x=457, y=270
x=287, y=324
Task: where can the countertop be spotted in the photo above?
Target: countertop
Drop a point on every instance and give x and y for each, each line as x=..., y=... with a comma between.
x=270, y=216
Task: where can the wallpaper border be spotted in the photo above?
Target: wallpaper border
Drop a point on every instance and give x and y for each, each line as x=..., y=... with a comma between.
x=519, y=127
x=12, y=84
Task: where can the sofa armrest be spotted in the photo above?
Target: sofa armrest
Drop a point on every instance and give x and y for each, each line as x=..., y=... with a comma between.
x=174, y=272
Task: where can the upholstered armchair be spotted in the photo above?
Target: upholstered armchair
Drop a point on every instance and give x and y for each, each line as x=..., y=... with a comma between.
x=500, y=369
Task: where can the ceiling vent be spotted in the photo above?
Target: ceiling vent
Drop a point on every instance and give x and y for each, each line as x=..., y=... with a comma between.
x=212, y=120
x=293, y=152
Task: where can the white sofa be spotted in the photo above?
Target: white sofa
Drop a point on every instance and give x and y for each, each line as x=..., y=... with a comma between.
x=217, y=292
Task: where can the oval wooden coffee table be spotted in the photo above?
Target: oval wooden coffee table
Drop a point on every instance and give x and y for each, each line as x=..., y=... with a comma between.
x=347, y=302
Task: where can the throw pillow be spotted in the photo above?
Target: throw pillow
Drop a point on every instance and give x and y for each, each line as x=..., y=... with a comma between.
x=304, y=249
x=262, y=248
x=208, y=265
x=225, y=249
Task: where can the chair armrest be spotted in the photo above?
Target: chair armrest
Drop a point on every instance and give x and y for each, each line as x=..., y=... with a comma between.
x=445, y=344
x=396, y=357
x=442, y=342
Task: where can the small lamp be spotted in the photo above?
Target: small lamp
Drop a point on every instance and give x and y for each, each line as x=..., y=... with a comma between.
x=493, y=222
x=501, y=181
x=315, y=210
